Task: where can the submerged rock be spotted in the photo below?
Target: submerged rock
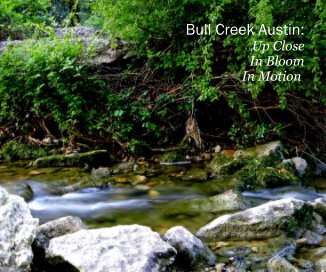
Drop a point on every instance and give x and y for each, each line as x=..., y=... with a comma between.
x=253, y=255
x=279, y=264
x=226, y=202
x=17, y=232
x=191, y=252
x=229, y=201
x=268, y=220
x=92, y=158
x=119, y=249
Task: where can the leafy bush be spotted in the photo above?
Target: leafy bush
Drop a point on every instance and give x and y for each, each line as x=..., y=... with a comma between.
x=49, y=87
x=13, y=150
x=17, y=18
x=48, y=81
x=211, y=67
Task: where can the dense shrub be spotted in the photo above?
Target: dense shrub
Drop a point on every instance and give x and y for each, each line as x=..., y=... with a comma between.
x=14, y=150
x=211, y=67
x=18, y=18
x=49, y=87
x=48, y=80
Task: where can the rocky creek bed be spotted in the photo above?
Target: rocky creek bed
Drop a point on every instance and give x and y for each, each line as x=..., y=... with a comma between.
x=243, y=210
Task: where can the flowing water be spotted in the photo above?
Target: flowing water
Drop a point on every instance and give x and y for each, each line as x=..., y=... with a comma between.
x=152, y=195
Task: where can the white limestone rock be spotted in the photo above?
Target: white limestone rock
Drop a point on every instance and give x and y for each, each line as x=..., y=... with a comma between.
x=131, y=248
x=17, y=232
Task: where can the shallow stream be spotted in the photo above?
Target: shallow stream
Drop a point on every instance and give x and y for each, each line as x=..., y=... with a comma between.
x=151, y=194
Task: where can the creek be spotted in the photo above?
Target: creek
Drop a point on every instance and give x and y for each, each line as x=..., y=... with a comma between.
x=153, y=195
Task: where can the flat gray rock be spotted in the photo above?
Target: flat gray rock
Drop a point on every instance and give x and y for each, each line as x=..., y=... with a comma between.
x=265, y=221
x=131, y=248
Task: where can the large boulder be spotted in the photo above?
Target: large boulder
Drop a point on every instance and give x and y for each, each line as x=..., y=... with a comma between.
x=49, y=230
x=191, y=252
x=286, y=216
x=118, y=249
x=17, y=232
x=319, y=206
x=93, y=158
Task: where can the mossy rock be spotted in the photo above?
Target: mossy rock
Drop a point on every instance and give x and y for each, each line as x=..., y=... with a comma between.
x=172, y=157
x=94, y=158
x=14, y=151
x=229, y=162
x=259, y=175
x=255, y=169
x=260, y=150
x=271, y=177
x=233, y=166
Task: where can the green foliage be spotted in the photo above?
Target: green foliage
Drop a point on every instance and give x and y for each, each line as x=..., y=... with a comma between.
x=13, y=150
x=253, y=132
x=17, y=18
x=52, y=82
x=48, y=80
x=211, y=67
